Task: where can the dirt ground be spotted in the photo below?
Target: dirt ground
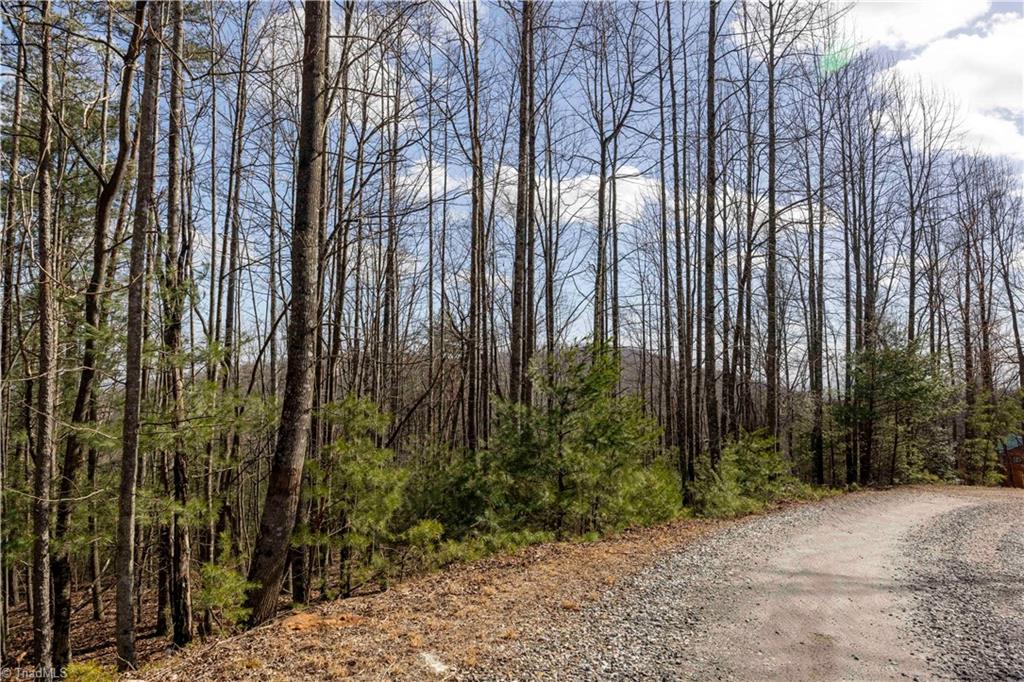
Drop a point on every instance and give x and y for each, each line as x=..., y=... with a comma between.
x=842, y=589
x=839, y=601
x=822, y=607
x=437, y=625
x=910, y=583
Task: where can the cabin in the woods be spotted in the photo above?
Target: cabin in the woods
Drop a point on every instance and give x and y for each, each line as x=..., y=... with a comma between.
x=1013, y=459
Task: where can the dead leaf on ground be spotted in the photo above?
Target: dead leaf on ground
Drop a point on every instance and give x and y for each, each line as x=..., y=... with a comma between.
x=308, y=620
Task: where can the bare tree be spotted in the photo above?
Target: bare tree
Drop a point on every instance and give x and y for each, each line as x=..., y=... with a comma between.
x=109, y=188
x=125, y=555
x=282, y=498
x=175, y=281
x=710, y=382
x=522, y=304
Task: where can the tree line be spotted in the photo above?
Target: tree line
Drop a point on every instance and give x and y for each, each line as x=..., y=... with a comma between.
x=297, y=298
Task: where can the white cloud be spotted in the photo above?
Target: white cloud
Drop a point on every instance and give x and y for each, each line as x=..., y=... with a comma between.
x=577, y=195
x=416, y=179
x=906, y=25
x=982, y=72
x=993, y=135
x=632, y=189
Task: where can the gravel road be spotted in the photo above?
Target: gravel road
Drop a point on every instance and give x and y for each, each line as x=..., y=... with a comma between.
x=919, y=583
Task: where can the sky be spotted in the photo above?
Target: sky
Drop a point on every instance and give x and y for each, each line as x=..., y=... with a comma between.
x=973, y=50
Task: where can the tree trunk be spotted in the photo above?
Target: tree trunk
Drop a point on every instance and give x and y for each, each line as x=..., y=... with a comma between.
x=771, y=278
x=125, y=550
x=476, y=396
x=678, y=191
x=46, y=419
x=524, y=217
x=175, y=276
x=271, y=549
x=665, y=332
x=109, y=188
x=13, y=189
x=817, y=438
x=710, y=385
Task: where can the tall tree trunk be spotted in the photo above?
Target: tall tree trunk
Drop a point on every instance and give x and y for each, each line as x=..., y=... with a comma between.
x=213, y=312
x=524, y=217
x=125, y=551
x=771, y=278
x=710, y=385
x=392, y=351
x=271, y=550
x=818, y=271
x=175, y=282
x=477, y=392
x=681, y=232
x=530, y=307
x=599, y=270
x=848, y=323
x=13, y=189
x=109, y=189
x=550, y=238
x=46, y=418
x=689, y=403
x=970, y=381
x=665, y=332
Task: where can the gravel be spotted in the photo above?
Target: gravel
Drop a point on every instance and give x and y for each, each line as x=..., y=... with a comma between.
x=913, y=583
x=649, y=626
x=967, y=582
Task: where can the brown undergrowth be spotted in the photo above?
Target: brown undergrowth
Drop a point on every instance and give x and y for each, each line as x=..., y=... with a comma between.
x=424, y=627
x=432, y=625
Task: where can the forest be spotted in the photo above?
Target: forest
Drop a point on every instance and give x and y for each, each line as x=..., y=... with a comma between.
x=300, y=299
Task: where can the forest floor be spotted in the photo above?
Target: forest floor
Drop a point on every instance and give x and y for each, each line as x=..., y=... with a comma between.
x=439, y=626
x=914, y=583
x=447, y=620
